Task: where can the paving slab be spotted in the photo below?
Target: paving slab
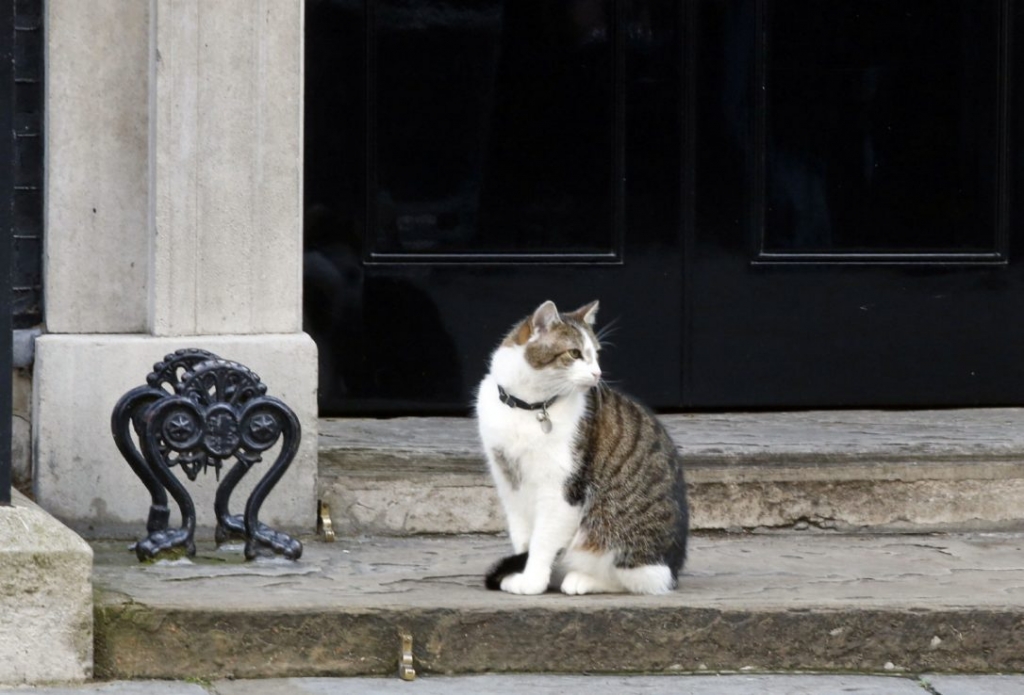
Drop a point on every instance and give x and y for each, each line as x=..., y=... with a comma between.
x=766, y=602
x=592, y=685
x=547, y=684
x=527, y=684
x=881, y=470
x=119, y=688
x=975, y=685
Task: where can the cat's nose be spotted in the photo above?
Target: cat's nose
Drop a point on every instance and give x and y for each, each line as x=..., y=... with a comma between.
x=596, y=373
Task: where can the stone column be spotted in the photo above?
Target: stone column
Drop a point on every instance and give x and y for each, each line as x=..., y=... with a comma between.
x=173, y=206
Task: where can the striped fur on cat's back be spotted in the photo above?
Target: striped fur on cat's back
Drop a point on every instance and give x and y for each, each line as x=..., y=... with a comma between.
x=590, y=481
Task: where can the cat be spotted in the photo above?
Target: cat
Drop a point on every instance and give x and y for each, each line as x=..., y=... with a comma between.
x=590, y=481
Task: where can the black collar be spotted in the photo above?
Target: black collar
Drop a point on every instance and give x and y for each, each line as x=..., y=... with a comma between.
x=513, y=402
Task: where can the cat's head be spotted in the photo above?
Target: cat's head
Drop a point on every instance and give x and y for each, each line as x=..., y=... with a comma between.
x=557, y=352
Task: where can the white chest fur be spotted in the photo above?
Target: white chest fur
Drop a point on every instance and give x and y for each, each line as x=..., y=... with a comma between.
x=517, y=435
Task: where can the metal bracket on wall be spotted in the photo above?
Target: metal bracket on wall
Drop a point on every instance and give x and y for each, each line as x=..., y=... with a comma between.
x=196, y=411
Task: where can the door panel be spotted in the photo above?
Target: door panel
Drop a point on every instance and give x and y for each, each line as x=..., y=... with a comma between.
x=494, y=132
x=465, y=162
x=881, y=127
x=854, y=202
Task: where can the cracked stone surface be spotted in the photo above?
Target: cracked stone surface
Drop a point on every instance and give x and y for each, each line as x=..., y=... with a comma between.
x=791, y=570
x=807, y=600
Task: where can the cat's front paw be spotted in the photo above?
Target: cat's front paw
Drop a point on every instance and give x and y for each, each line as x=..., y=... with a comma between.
x=522, y=583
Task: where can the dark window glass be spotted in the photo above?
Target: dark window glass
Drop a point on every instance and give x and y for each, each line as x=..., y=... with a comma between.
x=492, y=127
x=882, y=126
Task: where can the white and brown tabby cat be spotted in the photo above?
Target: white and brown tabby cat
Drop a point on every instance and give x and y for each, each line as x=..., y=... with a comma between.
x=591, y=483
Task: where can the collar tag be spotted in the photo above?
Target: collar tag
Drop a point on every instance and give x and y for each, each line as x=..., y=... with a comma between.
x=542, y=417
x=545, y=420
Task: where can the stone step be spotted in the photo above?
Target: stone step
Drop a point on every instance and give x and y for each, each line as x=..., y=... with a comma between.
x=783, y=601
x=893, y=471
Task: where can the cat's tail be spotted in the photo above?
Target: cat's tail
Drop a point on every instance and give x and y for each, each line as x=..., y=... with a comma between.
x=512, y=564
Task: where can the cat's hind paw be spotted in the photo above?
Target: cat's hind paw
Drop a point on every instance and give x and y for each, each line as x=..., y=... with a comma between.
x=578, y=584
x=522, y=583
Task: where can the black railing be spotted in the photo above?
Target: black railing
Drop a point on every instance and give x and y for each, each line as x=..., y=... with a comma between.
x=7, y=164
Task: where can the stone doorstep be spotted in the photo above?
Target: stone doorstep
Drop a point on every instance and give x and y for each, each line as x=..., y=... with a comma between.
x=882, y=470
x=783, y=601
x=807, y=599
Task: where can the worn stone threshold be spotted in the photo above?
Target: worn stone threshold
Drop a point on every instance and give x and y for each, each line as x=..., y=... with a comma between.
x=813, y=439
x=780, y=601
x=881, y=470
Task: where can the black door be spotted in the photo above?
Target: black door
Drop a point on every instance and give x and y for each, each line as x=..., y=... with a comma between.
x=788, y=203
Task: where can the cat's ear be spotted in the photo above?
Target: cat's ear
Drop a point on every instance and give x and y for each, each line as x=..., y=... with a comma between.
x=544, y=317
x=586, y=313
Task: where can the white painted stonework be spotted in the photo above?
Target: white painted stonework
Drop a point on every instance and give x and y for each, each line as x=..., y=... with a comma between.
x=226, y=183
x=96, y=194
x=174, y=194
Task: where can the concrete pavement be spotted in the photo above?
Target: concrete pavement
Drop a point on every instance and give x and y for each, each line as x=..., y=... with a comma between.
x=562, y=685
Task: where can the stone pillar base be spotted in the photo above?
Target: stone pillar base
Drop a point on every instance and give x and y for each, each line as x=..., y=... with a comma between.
x=82, y=479
x=45, y=598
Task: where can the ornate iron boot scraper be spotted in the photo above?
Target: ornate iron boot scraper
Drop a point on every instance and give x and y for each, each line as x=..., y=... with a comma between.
x=196, y=411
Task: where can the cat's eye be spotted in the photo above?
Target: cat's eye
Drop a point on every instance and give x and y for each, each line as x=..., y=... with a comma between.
x=575, y=354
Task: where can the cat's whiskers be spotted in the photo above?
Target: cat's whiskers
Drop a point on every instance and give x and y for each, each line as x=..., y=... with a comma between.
x=606, y=332
x=566, y=389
